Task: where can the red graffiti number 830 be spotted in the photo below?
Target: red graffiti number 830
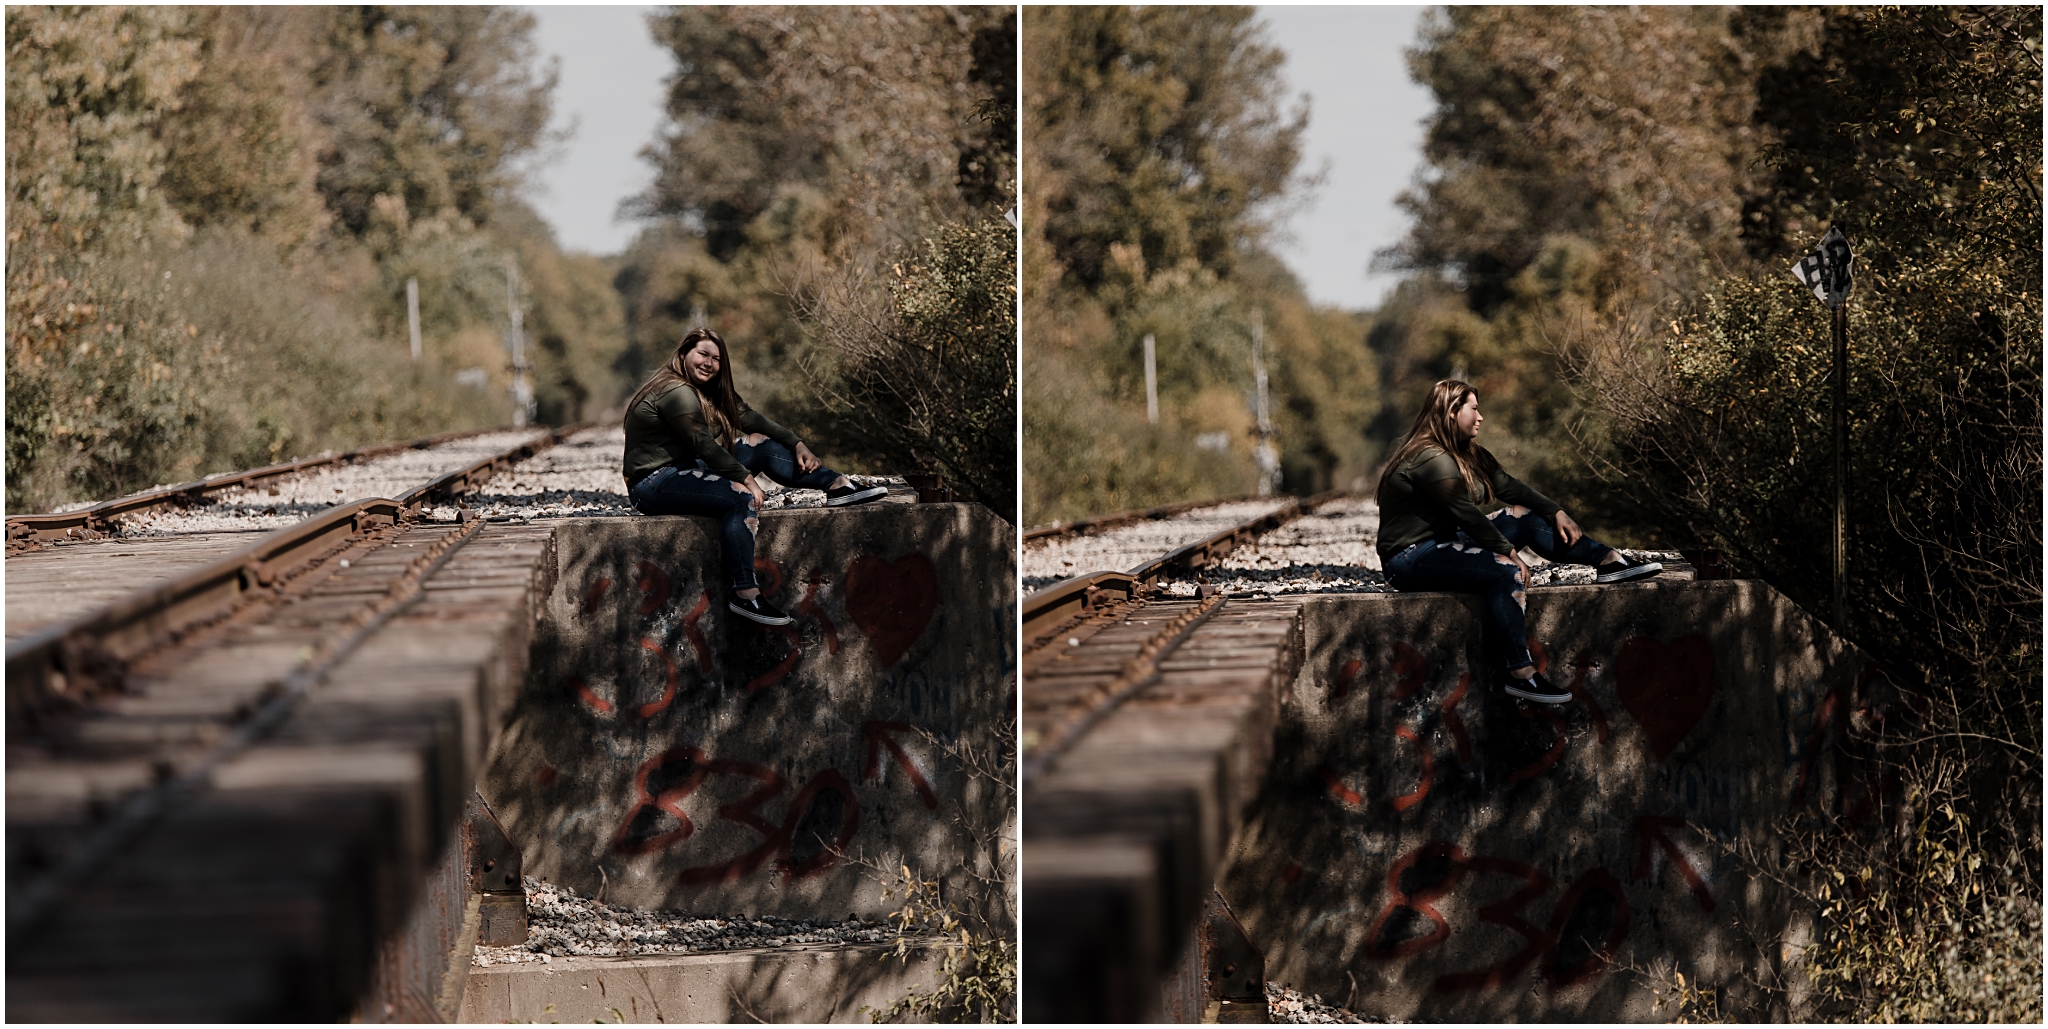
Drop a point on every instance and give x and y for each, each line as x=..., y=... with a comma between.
x=1566, y=948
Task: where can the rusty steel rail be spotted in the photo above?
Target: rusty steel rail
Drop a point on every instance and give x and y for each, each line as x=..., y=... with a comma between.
x=1111, y=521
x=65, y=663
x=99, y=518
x=1068, y=598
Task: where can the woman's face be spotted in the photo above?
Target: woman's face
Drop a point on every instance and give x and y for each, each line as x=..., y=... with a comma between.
x=1465, y=420
x=701, y=362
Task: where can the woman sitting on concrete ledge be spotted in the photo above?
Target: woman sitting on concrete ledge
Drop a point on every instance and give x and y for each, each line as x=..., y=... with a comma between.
x=1432, y=536
x=693, y=446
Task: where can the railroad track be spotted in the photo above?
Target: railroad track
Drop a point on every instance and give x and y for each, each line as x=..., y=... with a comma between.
x=245, y=717
x=246, y=759
x=98, y=521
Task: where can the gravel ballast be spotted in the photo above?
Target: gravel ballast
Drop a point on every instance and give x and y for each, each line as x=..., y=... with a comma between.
x=564, y=924
x=288, y=501
x=1124, y=547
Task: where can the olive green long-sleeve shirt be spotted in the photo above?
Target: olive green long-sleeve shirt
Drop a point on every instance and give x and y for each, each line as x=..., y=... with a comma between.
x=668, y=427
x=1426, y=499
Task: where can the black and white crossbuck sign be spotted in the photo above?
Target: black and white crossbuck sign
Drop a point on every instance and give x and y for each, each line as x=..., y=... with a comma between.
x=1826, y=270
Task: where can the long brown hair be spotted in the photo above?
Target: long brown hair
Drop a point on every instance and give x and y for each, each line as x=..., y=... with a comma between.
x=720, y=401
x=1435, y=426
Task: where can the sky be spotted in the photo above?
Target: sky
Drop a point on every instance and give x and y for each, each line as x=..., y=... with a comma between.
x=1365, y=132
x=1365, y=121
x=611, y=90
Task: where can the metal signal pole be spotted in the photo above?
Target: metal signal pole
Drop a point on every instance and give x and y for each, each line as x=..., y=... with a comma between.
x=1828, y=271
x=1841, y=467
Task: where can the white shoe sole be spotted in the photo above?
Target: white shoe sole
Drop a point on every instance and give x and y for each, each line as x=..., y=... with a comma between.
x=1641, y=571
x=752, y=617
x=1540, y=698
x=856, y=497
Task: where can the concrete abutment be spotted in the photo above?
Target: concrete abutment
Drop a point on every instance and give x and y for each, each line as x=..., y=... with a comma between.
x=1428, y=849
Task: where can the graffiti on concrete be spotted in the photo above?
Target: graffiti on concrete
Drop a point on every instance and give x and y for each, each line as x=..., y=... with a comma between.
x=1666, y=688
x=892, y=601
x=814, y=830
x=1580, y=939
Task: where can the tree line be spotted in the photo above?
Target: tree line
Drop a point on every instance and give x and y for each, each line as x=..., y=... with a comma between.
x=213, y=214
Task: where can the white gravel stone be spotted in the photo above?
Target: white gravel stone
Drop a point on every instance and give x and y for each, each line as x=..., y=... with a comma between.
x=562, y=923
x=1125, y=547
x=1328, y=550
x=288, y=501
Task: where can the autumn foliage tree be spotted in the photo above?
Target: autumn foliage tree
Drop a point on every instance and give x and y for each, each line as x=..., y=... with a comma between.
x=1159, y=148
x=212, y=213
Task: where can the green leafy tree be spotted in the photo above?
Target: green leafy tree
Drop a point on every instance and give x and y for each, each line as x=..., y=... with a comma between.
x=1159, y=149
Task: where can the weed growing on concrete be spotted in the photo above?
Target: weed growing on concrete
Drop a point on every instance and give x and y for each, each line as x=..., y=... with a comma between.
x=979, y=977
x=1690, y=1001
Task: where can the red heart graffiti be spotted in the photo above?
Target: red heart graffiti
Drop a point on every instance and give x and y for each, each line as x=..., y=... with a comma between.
x=892, y=601
x=1665, y=686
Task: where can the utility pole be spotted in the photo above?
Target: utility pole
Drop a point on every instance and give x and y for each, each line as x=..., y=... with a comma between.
x=1267, y=454
x=412, y=315
x=515, y=341
x=1151, y=384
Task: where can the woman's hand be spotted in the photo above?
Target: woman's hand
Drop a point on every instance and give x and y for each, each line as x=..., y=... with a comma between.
x=1521, y=569
x=806, y=462
x=755, y=488
x=1569, y=530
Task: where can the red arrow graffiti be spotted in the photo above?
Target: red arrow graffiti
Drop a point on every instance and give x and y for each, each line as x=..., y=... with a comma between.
x=878, y=737
x=1650, y=829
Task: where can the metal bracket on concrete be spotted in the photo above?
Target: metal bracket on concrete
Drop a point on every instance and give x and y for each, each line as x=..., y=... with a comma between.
x=495, y=871
x=1221, y=976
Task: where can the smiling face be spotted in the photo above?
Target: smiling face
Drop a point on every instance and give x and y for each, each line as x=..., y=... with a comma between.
x=1465, y=419
x=701, y=362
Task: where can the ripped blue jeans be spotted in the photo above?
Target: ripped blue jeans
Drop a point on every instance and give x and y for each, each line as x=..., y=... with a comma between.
x=698, y=490
x=1463, y=566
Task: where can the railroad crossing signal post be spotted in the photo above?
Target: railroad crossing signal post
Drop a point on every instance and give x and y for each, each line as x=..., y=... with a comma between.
x=1828, y=272
x=1267, y=455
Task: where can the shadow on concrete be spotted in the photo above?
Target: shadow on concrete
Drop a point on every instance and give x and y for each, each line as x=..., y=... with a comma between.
x=668, y=754
x=1428, y=848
